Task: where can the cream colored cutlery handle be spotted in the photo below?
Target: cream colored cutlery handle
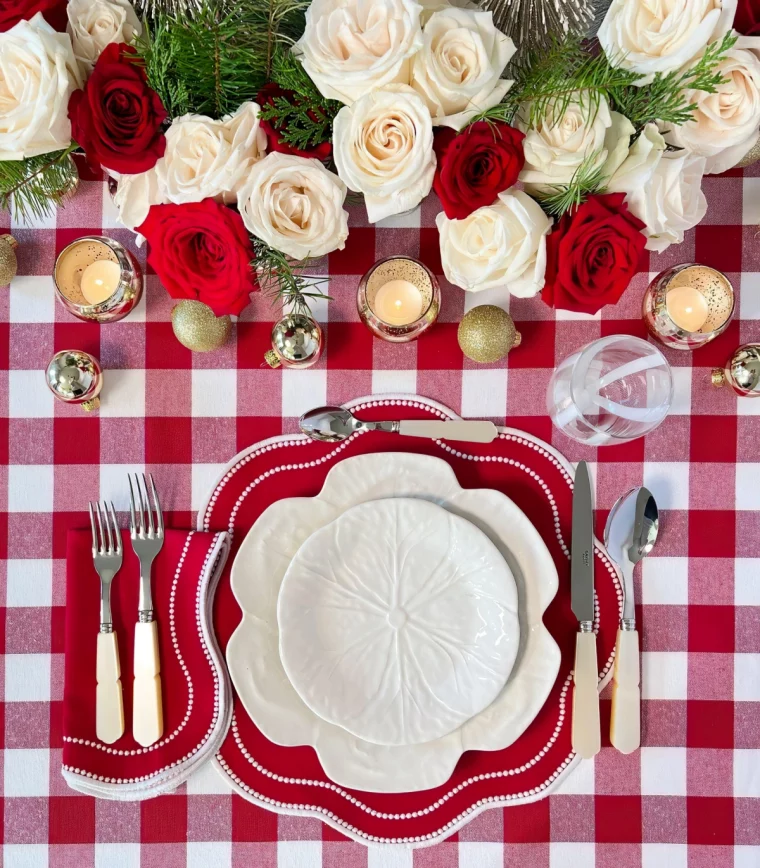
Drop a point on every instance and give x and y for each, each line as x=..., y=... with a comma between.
x=472, y=430
x=586, y=731
x=625, y=724
x=147, y=714
x=109, y=704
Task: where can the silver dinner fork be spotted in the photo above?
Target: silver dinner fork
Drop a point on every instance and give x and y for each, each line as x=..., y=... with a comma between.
x=107, y=556
x=147, y=531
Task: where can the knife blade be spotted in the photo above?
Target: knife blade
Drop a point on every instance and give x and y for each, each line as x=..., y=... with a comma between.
x=582, y=548
x=586, y=727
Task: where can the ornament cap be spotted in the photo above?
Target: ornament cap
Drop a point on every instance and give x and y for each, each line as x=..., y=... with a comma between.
x=518, y=339
x=718, y=377
x=9, y=240
x=92, y=404
x=272, y=359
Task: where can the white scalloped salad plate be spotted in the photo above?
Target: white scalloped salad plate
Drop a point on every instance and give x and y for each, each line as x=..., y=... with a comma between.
x=253, y=655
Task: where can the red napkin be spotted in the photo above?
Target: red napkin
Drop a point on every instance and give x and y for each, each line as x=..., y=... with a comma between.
x=193, y=677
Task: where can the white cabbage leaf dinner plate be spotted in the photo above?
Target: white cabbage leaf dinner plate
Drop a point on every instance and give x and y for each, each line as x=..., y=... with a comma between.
x=253, y=655
x=398, y=621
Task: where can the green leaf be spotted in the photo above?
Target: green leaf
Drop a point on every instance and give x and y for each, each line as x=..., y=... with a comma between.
x=35, y=187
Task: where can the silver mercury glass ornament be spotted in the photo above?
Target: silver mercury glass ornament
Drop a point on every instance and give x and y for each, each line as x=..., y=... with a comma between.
x=296, y=342
x=741, y=371
x=75, y=377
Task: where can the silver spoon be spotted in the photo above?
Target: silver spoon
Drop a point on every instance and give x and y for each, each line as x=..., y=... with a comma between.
x=629, y=536
x=331, y=424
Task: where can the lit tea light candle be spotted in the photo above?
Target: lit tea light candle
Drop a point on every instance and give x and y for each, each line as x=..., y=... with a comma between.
x=100, y=280
x=687, y=307
x=398, y=302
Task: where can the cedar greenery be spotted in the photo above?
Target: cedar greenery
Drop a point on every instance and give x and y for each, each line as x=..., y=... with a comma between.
x=305, y=120
x=218, y=56
x=34, y=187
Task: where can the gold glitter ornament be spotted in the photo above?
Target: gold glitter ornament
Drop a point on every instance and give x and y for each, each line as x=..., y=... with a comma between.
x=8, y=261
x=487, y=333
x=752, y=156
x=196, y=327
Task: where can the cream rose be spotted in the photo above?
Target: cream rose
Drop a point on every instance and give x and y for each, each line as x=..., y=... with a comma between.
x=295, y=205
x=457, y=70
x=38, y=72
x=383, y=147
x=664, y=190
x=93, y=24
x=642, y=160
x=208, y=158
x=585, y=133
x=134, y=196
x=502, y=244
x=650, y=36
x=725, y=124
x=351, y=47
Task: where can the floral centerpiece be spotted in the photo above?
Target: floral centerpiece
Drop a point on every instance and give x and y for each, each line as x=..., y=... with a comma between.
x=235, y=131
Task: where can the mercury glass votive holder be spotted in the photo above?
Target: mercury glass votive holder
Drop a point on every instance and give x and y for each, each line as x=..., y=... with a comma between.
x=398, y=299
x=71, y=264
x=688, y=305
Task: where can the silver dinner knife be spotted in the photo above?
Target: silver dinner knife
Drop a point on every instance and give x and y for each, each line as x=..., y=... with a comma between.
x=586, y=728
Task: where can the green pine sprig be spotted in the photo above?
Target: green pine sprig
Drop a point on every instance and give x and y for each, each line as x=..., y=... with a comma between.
x=587, y=179
x=218, y=56
x=283, y=280
x=35, y=187
x=305, y=120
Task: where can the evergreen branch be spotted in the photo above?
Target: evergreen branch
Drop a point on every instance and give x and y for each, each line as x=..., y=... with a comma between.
x=35, y=187
x=303, y=119
x=587, y=179
x=666, y=98
x=218, y=56
x=282, y=279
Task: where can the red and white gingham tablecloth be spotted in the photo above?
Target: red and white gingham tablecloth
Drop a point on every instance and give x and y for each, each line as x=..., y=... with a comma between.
x=688, y=799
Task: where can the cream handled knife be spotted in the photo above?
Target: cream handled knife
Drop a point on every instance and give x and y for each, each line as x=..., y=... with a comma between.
x=586, y=728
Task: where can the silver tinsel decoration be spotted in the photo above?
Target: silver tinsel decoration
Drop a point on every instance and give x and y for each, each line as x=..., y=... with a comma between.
x=153, y=8
x=530, y=23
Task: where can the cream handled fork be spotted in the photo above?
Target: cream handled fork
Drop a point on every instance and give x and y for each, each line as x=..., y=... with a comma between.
x=107, y=556
x=147, y=539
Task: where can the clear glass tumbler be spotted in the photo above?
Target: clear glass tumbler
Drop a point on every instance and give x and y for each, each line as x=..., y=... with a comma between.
x=613, y=390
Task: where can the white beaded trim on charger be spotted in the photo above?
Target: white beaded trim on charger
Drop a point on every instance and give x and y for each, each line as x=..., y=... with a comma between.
x=256, y=451
x=186, y=672
x=329, y=785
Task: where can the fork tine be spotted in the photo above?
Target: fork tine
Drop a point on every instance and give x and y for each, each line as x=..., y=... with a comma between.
x=133, y=526
x=105, y=543
x=159, y=514
x=146, y=506
x=114, y=527
x=95, y=542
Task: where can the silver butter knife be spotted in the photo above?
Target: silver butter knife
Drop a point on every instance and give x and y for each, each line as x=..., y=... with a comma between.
x=586, y=728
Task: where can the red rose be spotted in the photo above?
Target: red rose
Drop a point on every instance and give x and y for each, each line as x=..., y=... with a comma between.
x=13, y=11
x=592, y=254
x=273, y=130
x=200, y=250
x=117, y=118
x=476, y=165
x=747, y=18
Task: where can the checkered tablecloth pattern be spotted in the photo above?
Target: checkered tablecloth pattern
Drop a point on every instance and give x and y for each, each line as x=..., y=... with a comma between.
x=688, y=799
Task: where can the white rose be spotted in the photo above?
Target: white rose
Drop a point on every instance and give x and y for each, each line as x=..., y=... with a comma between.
x=725, y=124
x=295, y=205
x=650, y=36
x=38, y=72
x=351, y=47
x=556, y=147
x=93, y=24
x=457, y=70
x=383, y=147
x=134, y=196
x=642, y=160
x=502, y=244
x=669, y=201
x=208, y=158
